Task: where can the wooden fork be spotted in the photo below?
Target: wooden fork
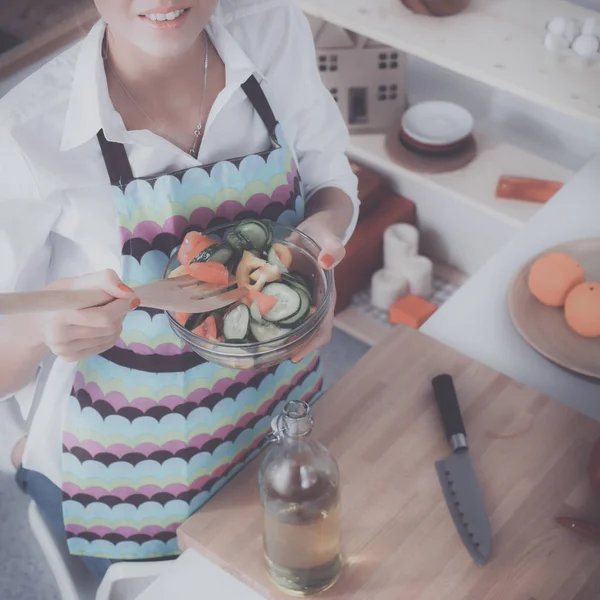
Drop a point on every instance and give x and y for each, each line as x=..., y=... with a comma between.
x=178, y=294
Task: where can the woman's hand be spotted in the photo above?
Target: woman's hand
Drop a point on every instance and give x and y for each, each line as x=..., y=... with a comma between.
x=332, y=253
x=77, y=334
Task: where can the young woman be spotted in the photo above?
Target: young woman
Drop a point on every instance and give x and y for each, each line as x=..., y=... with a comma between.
x=170, y=116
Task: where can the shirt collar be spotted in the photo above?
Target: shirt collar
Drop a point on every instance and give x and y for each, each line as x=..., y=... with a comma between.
x=90, y=108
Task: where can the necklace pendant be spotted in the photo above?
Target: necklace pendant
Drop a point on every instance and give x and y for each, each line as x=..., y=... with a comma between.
x=198, y=130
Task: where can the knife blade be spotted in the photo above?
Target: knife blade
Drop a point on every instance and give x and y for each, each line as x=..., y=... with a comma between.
x=458, y=479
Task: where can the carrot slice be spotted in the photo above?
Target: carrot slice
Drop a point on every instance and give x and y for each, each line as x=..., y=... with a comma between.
x=248, y=264
x=284, y=254
x=193, y=243
x=209, y=272
x=182, y=317
x=207, y=329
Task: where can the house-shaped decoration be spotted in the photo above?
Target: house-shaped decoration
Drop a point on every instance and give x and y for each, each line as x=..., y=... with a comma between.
x=365, y=78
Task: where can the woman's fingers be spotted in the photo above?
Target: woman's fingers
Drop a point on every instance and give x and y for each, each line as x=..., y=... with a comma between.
x=332, y=255
x=106, y=280
x=79, y=333
x=102, y=317
x=83, y=348
x=332, y=247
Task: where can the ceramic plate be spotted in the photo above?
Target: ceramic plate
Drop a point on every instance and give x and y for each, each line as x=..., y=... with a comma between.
x=437, y=123
x=544, y=328
x=431, y=148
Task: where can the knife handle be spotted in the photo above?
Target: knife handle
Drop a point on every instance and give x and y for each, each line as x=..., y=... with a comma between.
x=445, y=396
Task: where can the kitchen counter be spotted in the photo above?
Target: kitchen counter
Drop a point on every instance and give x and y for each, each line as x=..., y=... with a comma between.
x=475, y=320
x=381, y=423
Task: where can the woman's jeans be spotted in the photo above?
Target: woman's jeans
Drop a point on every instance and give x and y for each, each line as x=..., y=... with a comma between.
x=48, y=498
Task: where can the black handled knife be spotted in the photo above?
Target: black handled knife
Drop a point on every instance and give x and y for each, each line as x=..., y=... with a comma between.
x=458, y=479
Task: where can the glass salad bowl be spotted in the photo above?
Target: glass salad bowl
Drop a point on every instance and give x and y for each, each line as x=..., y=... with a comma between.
x=252, y=334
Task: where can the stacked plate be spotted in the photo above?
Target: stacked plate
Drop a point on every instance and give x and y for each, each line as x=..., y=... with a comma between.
x=436, y=128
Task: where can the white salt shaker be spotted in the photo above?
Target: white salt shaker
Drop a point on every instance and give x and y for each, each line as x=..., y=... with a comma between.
x=556, y=43
x=400, y=242
x=591, y=26
x=586, y=46
x=418, y=270
x=386, y=287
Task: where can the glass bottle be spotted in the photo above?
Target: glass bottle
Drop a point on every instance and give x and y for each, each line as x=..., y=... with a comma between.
x=300, y=492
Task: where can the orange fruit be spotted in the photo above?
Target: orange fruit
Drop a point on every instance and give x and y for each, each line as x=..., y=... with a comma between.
x=553, y=276
x=582, y=309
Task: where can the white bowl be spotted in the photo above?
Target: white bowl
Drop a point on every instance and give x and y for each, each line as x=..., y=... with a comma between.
x=437, y=123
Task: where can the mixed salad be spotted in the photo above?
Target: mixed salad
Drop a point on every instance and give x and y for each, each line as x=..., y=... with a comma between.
x=279, y=299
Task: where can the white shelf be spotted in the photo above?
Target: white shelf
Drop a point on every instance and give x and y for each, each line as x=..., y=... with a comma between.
x=367, y=328
x=498, y=42
x=475, y=184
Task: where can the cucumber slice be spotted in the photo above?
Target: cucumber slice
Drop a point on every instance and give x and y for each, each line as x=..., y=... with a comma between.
x=302, y=313
x=257, y=233
x=265, y=332
x=218, y=253
x=236, y=323
x=239, y=241
x=255, y=313
x=273, y=259
x=222, y=254
x=296, y=280
x=288, y=302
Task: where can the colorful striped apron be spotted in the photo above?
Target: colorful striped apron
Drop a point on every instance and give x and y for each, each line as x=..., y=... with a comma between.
x=152, y=430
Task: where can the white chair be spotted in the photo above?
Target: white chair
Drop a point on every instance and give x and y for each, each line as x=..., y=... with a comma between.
x=123, y=581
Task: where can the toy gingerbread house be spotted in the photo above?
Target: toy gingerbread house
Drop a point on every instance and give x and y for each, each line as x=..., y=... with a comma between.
x=365, y=78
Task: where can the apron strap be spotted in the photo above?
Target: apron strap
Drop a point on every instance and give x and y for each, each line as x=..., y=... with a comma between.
x=258, y=99
x=115, y=158
x=115, y=155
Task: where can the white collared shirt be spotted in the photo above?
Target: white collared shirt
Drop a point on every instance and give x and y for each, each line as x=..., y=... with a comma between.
x=57, y=217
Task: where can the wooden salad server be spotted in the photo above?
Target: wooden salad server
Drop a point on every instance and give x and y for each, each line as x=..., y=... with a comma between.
x=177, y=294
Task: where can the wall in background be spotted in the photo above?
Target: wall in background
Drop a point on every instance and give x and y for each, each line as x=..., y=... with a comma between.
x=10, y=82
x=455, y=233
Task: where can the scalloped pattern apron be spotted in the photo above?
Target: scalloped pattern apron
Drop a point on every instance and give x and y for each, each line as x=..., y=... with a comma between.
x=152, y=430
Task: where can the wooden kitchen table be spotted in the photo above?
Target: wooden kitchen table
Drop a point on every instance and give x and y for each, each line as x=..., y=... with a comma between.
x=381, y=423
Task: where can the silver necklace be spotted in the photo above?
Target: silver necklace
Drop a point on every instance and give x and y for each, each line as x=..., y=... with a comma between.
x=198, y=131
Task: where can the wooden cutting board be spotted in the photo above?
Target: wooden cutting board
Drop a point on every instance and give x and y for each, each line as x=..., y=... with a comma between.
x=381, y=423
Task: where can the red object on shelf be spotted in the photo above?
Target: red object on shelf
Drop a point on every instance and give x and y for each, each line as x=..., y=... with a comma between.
x=369, y=183
x=412, y=311
x=364, y=250
x=526, y=189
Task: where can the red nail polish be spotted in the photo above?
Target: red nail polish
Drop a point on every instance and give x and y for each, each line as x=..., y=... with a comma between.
x=125, y=288
x=328, y=261
x=135, y=303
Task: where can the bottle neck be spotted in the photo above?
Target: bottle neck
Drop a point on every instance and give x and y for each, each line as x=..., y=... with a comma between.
x=296, y=420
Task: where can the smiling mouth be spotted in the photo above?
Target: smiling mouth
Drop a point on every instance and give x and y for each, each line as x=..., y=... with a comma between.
x=166, y=17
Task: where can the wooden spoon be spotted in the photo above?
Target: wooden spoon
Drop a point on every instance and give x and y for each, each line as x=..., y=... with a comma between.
x=178, y=294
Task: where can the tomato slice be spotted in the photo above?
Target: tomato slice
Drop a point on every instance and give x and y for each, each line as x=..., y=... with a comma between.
x=265, y=302
x=182, y=317
x=193, y=243
x=209, y=272
x=207, y=329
